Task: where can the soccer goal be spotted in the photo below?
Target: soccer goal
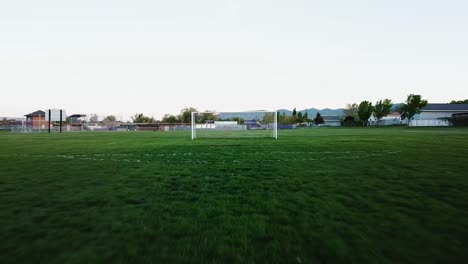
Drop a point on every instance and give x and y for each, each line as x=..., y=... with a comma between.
x=250, y=124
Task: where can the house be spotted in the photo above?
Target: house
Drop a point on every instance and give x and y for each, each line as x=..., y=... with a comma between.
x=392, y=119
x=7, y=122
x=332, y=121
x=76, y=119
x=438, y=114
x=36, y=120
x=75, y=122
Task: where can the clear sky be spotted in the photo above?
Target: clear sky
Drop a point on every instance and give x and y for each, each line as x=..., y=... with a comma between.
x=156, y=57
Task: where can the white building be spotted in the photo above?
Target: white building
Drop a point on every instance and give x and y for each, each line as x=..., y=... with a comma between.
x=391, y=119
x=438, y=114
x=333, y=121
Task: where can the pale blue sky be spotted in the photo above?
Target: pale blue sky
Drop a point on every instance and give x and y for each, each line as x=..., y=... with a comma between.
x=155, y=57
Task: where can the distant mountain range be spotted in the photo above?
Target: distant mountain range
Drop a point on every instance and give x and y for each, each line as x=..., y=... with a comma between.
x=396, y=107
x=311, y=113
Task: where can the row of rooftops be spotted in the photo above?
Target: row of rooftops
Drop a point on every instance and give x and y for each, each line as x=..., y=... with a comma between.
x=42, y=113
x=446, y=107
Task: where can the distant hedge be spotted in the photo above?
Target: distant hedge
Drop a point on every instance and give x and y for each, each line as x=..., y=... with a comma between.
x=461, y=120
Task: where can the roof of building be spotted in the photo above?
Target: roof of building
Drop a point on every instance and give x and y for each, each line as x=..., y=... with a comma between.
x=77, y=115
x=35, y=114
x=331, y=118
x=394, y=114
x=446, y=107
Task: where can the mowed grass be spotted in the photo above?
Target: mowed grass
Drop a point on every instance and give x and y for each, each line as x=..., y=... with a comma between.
x=358, y=195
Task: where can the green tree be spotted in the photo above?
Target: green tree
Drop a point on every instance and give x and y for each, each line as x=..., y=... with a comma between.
x=137, y=118
x=185, y=115
x=365, y=110
x=459, y=102
x=284, y=119
x=5, y=122
x=207, y=115
x=93, y=118
x=352, y=110
x=109, y=119
x=318, y=119
x=239, y=120
x=382, y=109
x=300, y=118
x=293, y=119
x=170, y=119
x=140, y=118
x=268, y=118
x=413, y=105
x=349, y=121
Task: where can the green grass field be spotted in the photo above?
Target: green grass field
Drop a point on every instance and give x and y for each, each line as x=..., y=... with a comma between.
x=376, y=195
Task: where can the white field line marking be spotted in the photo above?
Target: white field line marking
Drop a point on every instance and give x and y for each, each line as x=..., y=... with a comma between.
x=245, y=157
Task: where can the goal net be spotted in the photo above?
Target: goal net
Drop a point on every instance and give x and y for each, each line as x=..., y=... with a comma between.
x=250, y=124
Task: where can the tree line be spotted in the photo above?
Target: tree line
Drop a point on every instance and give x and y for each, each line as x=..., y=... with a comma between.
x=360, y=114
x=184, y=117
x=355, y=114
x=299, y=118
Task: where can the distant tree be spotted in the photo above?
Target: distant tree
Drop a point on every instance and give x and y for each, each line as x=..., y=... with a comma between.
x=137, y=118
x=349, y=121
x=300, y=118
x=284, y=119
x=459, y=102
x=413, y=105
x=318, y=119
x=293, y=119
x=140, y=118
x=170, y=119
x=459, y=120
x=109, y=119
x=239, y=120
x=352, y=110
x=365, y=110
x=268, y=118
x=382, y=109
x=93, y=118
x=207, y=115
x=185, y=115
x=306, y=117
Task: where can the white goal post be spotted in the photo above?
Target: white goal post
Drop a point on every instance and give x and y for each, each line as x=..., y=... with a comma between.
x=234, y=124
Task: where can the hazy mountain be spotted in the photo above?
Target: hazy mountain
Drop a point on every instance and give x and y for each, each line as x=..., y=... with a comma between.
x=396, y=107
x=311, y=112
x=245, y=116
